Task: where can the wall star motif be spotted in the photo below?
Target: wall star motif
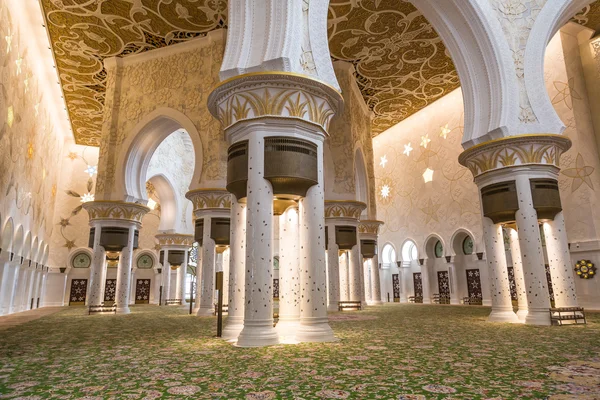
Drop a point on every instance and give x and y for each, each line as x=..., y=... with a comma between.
x=430, y=210
x=580, y=174
x=407, y=149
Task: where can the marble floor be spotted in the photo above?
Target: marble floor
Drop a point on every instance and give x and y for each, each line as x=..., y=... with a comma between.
x=386, y=352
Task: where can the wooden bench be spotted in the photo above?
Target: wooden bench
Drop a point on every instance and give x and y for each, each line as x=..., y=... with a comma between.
x=561, y=314
x=173, y=302
x=472, y=301
x=224, y=310
x=415, y=299
x=349, y=305
x=102, y=309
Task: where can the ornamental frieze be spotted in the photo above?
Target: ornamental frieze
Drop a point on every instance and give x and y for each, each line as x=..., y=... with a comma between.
x=209, y=198
x=514, y=151
x=369, y=227
x=115, y=210
x=175, y=239
x=286, y=95
x=344, y=209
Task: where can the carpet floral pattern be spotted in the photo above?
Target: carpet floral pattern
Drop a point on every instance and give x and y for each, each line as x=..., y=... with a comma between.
x=387, y=352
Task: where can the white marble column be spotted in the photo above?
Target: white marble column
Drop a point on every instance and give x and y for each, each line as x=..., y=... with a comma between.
x=207, y=287
x=502, y=310
x=225, y=268
x=405, y=278
x=12, y=287
x=258, y=313
x=237, y=262
x=367, y=274
x=314, y=325
x=43, y=288
x=5, y=279
x=132, y=286
x=124, y=274
x=559, y=259
x=34, y=288
x=515, y=253
x=375, y=281
x=198, y=282
x=453, y=277
x=354, y=274
x=166, y=277
x=333, y=270
x=289, y=276
x=97, y=268
x=534, y=272
x=344, y=263
x=426, y=283
x=181, y=273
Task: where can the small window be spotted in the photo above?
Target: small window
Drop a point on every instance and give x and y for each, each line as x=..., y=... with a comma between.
x=389, y=254
x=467, y=246
x=409, y=251
x=439, y=249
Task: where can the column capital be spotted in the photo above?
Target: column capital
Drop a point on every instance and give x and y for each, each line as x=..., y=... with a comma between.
x=115, y=211
x=343, y=210
x=369, y=229
x=175, y=240
x=515, y=151
x=218, y=199
x=287, y=95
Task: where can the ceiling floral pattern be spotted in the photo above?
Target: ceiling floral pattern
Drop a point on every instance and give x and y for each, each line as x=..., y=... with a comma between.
x=401, y=63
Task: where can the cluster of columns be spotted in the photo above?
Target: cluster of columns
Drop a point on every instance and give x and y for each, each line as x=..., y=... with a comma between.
x=174, y=255
x=115, y=227
x=518, y=212
x=368, y=232
x=22, y=283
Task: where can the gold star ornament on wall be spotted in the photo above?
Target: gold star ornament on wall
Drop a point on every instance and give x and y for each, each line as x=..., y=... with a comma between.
x=425, y=140
x=430, y=210
x=580, y=174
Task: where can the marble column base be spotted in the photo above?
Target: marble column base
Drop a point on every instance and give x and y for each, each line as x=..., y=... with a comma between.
x=503, y=316
x=258, y=333
x=286, y=329
x=538, y=317
x=522, y=314
x=315, y=330
x=454, y=301
x=332, y=307
x=232, y=329
x=205, y=312
x=123, y=310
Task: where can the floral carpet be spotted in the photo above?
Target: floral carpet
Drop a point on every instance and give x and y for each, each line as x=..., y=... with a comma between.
x=386, y=352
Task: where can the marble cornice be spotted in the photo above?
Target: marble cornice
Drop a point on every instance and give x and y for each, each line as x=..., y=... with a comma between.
x=369, y=227
x=209, y=198
x=344, y=209
x=175, y=239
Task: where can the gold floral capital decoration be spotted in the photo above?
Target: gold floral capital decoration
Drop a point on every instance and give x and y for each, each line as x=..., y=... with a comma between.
x=344, y=209
x=512, y=151
x=369, y=229
x=206, y=199
x=115, y=210
x=274, y=94
x=585, y=269
x=175, y=239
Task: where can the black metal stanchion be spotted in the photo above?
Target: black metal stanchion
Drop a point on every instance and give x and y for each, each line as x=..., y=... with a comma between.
x=191, y=294
x=219, y=285
x=160, y=296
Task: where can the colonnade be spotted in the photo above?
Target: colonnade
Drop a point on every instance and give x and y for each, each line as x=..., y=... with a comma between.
x=22, y=283
x=521, y=196
x=173, y=255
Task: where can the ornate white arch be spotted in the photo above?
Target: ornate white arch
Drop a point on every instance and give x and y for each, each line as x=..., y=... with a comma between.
x=457, y=239
x=170, y=204
x=139, y=146
x=404, y=243
x=361, y=181
x=18, y=241
x=429, y=243
x=8, y=233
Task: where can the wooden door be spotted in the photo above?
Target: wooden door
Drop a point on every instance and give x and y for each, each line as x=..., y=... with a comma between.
x=474, y=286
x=78, y=292
x=396, y=287
x=142, y=291
x=418, y=285
x=110, y=290
x=444, y=287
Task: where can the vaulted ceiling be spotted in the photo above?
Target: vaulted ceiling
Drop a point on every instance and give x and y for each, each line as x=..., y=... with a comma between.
x=401, y=64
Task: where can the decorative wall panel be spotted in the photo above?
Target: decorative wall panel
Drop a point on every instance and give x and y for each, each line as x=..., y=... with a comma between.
x=142, y=291
x=78, y=292
x=444, y=286
x=396, y=287
x=474, y=286
x=418, y=287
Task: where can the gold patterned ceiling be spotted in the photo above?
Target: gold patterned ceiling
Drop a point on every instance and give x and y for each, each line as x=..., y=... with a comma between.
x=401, y=64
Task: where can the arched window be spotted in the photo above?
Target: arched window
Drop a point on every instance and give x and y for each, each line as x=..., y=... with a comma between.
x=409, y=251
x=388, y=255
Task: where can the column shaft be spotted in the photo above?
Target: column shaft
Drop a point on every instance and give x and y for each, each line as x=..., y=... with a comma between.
x=333, y=269
x=289, y=275
x=354, y=274
x=181, y=273
x=367, y=274
x=425, y=282
x=258, y=314
x=534, y=272
x=314, y=325
x=207, y=293
x=502, y=310
x=237, y=262
x=453, y=277
x=343, y=261
x=97, y=270
x=166, y=278
x=375, y=281
x=124, y=274
x=559, y=258
x=515, y=253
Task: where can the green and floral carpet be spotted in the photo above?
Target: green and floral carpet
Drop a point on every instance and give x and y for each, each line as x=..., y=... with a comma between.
x=388, y=352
